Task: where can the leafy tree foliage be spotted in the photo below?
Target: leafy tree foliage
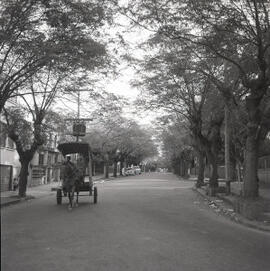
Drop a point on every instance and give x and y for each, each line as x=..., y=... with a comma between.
x=29, y=136
x=118, y=139
x=189, y=95
x=176, y=145
x=35, y=34
x=43, y=42
x=235, y=33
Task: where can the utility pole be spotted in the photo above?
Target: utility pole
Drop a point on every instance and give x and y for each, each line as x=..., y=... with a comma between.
x=79, y=128
x=229, y=165
x=227, y=134
x=78, y=113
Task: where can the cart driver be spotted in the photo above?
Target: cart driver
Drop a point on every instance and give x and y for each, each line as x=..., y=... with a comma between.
x=69, y=174
x=68, y=166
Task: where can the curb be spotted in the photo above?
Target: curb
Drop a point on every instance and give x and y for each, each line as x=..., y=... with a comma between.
x=8, y=203
x=237, y=218
x=15, y=201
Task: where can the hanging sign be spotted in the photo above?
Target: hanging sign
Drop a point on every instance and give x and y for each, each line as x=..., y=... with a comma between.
x=79, y=129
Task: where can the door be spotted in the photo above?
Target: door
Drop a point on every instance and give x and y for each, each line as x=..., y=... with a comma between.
x=6, y=177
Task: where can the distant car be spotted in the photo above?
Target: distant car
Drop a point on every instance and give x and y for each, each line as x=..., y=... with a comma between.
x=129, y=171
x=137, y=170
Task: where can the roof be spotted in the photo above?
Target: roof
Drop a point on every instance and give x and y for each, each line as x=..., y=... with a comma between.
x=74, y=147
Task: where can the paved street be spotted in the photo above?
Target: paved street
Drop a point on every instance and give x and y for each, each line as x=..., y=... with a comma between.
x=147, y=222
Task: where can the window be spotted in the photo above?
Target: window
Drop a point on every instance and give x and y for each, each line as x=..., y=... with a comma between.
x=50, y=143
x=10, y=143
x=41, y=159
x=55, y=141
x=49, y=159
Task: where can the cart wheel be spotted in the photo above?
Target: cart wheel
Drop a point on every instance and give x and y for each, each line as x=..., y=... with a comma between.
x=95, y=195
x=59, y=196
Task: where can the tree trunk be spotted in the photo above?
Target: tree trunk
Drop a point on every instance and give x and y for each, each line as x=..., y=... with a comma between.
x=227, y=135
x=121, y=168
x=211, y=148
x=213, y=182
x=200, y=179
x=106, y=166
x=239, y=171
x=106, y=169
x=181, y=168
x=94, y=168
x=115, y=169
x=125, y=164
x=5, y=93
x=177, y=167
x=184, y=168
x=233, y=170
x=251, y=186
x=23, y=177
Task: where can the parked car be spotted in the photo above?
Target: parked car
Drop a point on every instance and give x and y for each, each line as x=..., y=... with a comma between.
x=129, y=171
x=137, y=170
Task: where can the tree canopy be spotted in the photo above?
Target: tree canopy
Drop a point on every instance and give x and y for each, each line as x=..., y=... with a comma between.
x=228, y=43
x=62, y=35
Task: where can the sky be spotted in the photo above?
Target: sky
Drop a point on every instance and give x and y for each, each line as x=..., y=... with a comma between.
x=121, y=85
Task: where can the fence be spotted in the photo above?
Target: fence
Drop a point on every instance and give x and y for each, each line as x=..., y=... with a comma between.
x=263, y=170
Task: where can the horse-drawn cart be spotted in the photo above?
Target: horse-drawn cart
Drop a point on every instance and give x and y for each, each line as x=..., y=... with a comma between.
x=76, y=173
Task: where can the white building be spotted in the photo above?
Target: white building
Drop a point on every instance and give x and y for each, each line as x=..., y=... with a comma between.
x=44, y=167
x=9, y=160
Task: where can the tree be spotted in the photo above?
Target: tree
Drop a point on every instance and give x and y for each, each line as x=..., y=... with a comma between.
x=251, y=58
x=118, y=139
x=176, y=146
x=27, y=124
x=43, y=43
x=36, y=34
x=233, y=31
x=187, y=94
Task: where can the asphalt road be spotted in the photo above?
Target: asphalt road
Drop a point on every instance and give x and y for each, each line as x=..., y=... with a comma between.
x=148, y=222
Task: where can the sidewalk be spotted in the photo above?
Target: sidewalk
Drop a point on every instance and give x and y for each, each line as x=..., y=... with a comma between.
x=226, y=204
x=11, y=197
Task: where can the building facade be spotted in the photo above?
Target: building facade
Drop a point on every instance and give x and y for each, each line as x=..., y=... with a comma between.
x=46, y=163
x=44, y=167
x=9, y=160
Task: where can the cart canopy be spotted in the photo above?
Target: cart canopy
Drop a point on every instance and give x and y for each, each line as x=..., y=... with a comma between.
x=74, y=147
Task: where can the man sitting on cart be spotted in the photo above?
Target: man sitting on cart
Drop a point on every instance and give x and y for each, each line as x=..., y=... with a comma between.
x=70, y=175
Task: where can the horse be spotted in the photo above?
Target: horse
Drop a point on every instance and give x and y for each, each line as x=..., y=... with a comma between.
x=71, y=183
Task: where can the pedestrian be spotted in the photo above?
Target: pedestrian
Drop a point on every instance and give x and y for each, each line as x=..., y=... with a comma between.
x=15, y=184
